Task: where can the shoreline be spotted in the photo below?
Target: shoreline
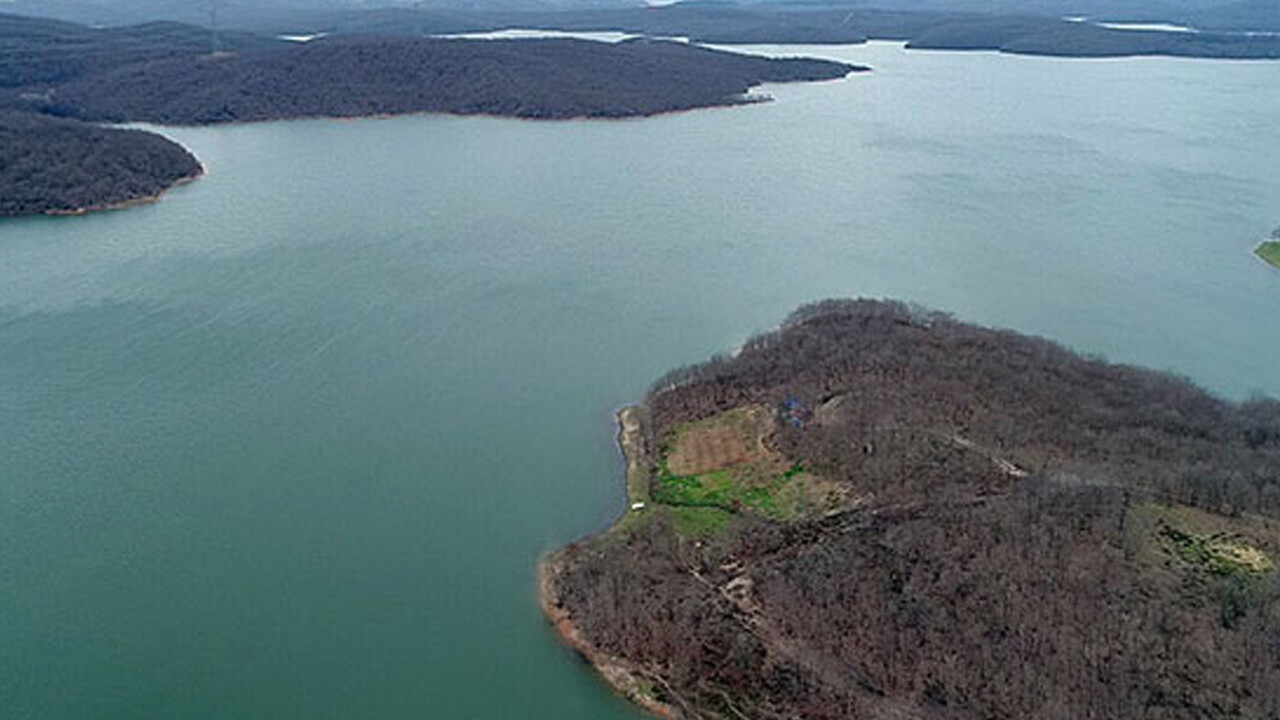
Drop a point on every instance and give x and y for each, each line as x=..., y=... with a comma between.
x=625, y=679
x=749, y=97
x=122, y=204
x=745, y=99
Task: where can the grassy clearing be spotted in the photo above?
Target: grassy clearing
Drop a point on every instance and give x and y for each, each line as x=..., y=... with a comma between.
x=735, y=489
x=734, y=437
x=645, y=688
x=1219, y=554
x=723, y=463
x=1200, y=540
x=702, y=522
x=1270, y=251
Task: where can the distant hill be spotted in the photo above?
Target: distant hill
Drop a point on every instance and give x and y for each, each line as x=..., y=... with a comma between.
x=349, y=77
x=1250, y=15
x=1014, y=26
x=255, y=14
x=1032, y=36
x=41, y=52
x=1010, y=27
x=166, y=72
x=880, y=512
x=181, y=74
x=51, y=166
x=298, y=15
x=706, y=23
x=238, y=13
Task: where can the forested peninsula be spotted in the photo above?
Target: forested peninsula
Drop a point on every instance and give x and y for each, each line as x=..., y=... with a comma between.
x=177, y=74
x=351, y=77
x=878, y=511
x=58, y=167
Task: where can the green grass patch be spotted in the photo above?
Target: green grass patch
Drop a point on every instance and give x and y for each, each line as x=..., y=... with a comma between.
x=645, y=688
x=1270, y=251
x=758, y=481
x=1219, y=554
x=731, y=489
x=698, y=521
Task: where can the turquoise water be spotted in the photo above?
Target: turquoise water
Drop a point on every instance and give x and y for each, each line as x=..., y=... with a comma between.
x=288, y=443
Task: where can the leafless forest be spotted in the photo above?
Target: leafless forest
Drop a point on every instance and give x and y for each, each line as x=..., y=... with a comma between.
x=1039, y=534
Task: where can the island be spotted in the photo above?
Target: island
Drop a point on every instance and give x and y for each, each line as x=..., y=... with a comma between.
x=878, y=511
x=176, y=74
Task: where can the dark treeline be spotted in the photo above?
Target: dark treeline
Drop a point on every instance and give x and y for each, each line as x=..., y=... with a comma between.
x=709, y=23
x=1244, y=16
x=365, y=76
x=1010, y=558
x=294, y=15
x=180, y=74
x=36, y=53
x=1230, y=31
x=166, y=73
x=49, y=165
x=1040, y=36
x=1006, y=29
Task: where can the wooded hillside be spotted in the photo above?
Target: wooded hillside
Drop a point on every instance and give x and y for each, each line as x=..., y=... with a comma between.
x=367, y=76
x=49, y=165
x=976, y=524
x=166, y=73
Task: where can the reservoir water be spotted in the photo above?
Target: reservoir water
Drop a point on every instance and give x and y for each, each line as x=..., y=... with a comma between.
x=288, y=443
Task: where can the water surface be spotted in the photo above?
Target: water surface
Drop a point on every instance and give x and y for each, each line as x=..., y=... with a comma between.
x=288, y=443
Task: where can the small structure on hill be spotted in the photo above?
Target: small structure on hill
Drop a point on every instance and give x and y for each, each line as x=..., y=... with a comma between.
x=795, y=412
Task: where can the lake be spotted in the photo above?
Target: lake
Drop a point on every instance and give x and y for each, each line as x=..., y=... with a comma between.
x=289, y=442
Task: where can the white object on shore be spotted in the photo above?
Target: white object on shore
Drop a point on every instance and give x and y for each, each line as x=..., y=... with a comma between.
x=301, y=38
x=637, y=506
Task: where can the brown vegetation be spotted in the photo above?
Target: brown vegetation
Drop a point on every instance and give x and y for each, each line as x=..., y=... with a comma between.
x=735, y=438
x=1037, y=534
